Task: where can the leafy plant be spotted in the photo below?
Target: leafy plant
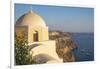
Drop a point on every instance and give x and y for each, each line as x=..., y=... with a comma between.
x=22, y=55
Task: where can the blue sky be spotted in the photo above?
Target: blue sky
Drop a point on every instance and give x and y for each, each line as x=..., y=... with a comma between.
x=64, y=18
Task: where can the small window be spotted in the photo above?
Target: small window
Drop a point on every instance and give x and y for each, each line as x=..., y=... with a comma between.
x=35, y=36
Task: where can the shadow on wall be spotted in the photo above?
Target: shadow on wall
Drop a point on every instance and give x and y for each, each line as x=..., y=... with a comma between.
x=42, y=58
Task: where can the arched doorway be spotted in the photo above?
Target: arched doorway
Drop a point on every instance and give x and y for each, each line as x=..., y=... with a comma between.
x=35, y=36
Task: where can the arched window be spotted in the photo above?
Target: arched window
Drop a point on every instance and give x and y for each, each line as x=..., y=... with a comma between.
x=35, y=36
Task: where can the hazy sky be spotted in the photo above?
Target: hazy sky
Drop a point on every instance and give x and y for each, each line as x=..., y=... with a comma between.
x=69, y=19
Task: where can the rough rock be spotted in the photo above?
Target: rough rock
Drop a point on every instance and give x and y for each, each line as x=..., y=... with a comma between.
x=64, y=45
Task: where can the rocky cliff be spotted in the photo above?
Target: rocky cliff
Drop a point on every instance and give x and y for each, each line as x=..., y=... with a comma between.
x=64, y=45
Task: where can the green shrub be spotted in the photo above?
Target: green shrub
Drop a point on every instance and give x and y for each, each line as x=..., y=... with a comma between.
x=22, y=55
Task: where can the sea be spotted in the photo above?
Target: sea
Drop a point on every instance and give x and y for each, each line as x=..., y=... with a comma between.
x=85, y=46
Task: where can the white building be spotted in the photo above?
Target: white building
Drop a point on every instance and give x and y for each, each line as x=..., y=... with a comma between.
x=35, y=30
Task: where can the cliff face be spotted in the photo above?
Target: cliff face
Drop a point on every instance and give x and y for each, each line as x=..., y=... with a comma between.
x=64, y=45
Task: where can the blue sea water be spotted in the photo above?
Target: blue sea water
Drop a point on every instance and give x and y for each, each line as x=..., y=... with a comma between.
x=85, y=43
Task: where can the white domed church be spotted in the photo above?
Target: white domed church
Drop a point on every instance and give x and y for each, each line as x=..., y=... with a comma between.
x=34, y=28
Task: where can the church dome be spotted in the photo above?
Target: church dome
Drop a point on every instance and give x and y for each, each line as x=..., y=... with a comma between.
x=30, y=19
